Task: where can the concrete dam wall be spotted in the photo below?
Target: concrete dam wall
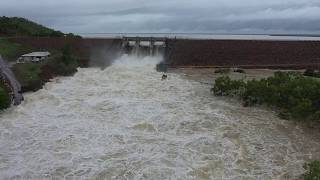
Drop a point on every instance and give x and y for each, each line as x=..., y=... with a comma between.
x=200, y=53
x=243, y=53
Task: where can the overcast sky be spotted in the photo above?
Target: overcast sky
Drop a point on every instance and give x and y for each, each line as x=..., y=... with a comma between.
x=170, y=16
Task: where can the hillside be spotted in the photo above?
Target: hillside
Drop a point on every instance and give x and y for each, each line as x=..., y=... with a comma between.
x=16, y=26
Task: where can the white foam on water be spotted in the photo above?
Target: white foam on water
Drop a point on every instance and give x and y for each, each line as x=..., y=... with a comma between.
x=125, y=123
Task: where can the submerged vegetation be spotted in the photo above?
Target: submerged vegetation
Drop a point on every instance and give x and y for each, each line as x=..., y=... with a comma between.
x=297, y=97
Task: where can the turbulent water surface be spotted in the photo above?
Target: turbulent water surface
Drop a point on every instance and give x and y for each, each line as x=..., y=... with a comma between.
x=123, y=122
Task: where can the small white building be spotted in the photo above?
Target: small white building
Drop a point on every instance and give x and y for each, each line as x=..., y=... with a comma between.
x=34, y=57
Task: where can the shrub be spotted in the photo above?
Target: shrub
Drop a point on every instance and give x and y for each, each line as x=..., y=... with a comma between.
x=58, y=68
x=296, y=96
x=313, y=171
x=224, y=86
x=256, y=92
x=28, y=76
x=4, y=99
x=63, y=65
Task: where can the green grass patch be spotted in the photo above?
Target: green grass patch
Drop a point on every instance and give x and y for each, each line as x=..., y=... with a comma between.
x=12, y=51
x=297, y=96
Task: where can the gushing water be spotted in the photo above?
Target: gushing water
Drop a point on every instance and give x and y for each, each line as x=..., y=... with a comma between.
x=125, y=123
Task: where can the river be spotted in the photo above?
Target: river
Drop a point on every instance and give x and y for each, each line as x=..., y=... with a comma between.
x=123, y=122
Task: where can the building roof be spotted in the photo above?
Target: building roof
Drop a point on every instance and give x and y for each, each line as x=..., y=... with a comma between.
x=37, y=54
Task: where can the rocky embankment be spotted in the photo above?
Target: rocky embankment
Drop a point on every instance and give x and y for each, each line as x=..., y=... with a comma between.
x=10, y=82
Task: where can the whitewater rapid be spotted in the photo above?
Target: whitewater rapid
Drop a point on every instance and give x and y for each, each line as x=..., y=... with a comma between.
x=123, y=122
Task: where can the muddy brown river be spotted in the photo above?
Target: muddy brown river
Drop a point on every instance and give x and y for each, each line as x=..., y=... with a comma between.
x=123, y=122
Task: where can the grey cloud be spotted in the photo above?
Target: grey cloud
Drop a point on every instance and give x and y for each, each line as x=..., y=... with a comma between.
x=216, y=16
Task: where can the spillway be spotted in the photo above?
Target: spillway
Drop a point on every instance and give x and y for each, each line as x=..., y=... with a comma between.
x=123, y=122
x=144, y=46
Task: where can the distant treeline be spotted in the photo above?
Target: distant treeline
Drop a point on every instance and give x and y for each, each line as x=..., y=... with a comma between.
x=16, y=26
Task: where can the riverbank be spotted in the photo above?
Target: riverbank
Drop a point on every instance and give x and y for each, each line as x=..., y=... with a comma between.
x=33, y=76
x=81, y=53
x=260, y=87
x=24, y=77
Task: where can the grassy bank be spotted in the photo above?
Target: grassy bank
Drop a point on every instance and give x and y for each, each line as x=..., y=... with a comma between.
x=32, y=76
x=296, y=96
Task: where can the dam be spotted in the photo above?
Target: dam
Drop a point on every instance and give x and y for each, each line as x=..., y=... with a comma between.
x=272, y=52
